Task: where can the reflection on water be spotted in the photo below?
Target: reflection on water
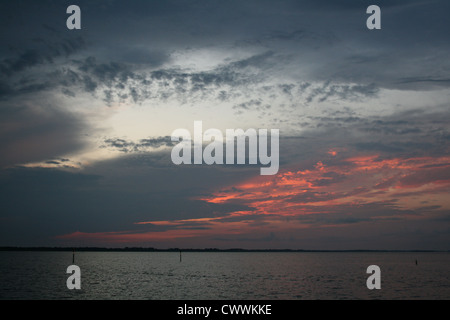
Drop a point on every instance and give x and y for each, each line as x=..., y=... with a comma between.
x=224, y=275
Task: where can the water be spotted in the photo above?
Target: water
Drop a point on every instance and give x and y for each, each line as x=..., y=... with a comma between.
x=224, y=275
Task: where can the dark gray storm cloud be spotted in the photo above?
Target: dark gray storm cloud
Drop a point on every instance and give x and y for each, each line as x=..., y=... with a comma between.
x=32, y=132
x=142, y=145
x=322, y=40
x=39, y=204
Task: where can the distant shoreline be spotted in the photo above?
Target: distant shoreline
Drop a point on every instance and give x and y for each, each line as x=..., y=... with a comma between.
x=140, y=249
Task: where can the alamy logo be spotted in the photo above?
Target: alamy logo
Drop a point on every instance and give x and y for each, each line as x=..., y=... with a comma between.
x=213, y=153
x=74, y=281
x=374, y=281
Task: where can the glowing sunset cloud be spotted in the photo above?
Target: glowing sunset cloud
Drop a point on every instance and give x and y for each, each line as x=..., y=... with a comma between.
x=356, y=183
x=356, y=180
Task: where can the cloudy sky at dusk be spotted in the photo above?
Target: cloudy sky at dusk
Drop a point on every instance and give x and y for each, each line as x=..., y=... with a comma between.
x=86, y=117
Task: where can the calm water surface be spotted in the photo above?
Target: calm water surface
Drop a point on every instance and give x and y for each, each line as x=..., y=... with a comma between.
x=224, y=276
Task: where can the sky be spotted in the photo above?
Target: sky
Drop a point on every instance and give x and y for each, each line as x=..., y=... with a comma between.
x=86, y=118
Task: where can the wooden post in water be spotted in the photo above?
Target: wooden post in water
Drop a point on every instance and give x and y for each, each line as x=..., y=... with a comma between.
x=180, y=255
x=73, y=256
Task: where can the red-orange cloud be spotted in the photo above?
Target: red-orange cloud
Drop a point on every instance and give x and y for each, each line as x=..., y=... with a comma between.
x=364, y=182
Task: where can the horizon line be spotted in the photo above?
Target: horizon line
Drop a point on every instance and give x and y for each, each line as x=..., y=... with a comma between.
x=151, y=249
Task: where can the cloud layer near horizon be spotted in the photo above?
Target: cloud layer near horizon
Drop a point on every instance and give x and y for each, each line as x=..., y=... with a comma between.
x=86, y=117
